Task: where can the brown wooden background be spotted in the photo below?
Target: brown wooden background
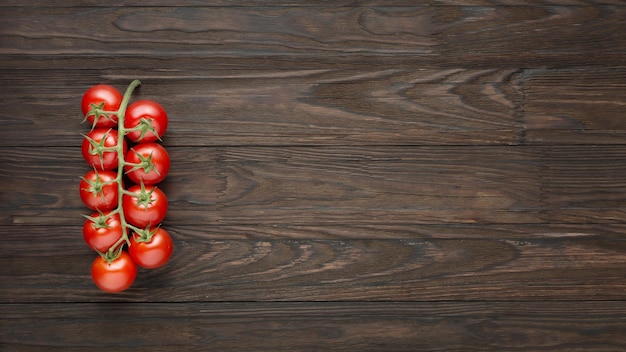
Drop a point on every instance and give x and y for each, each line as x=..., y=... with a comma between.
x=347, y=175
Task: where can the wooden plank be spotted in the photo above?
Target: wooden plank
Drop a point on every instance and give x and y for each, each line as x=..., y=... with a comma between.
x=278, y=107
x=442, y=36
x=36, y=240
x=432, y=326
x=300, y=185
x=581, y=178
x=345, y=185
x=304, y=3
x=218, y=107
x=579, y=105
x=574, y=267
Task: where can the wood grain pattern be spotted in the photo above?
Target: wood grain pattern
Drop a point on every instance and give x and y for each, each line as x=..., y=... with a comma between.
x=567, y=267
x=588, y=103
x=313, y=186
x=371, y=175
x=304, y=3
x=279, y=107
x=382, y=107
x=418, y=36
x=468, y=326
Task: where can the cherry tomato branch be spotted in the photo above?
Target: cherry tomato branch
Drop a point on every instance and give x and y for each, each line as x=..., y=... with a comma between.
x=120, y=155
x=134, y=228
x=125, y=229
x=116, y=247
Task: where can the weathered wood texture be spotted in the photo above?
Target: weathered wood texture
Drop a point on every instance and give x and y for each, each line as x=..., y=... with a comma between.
x=467, y=326
x=337, y=107
x=344, y=185
x=569, y=267
x=371, y=175
x=314, y=37
x=305, y=3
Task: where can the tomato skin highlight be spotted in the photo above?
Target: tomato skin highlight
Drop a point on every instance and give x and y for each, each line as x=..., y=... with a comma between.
x=152, y=254
x=105, y=95
x=116, y=276
x=106, y=199
x=159, y=160
x=109, y=159
x=144, y=214
x=102, y=238
x=152, y=112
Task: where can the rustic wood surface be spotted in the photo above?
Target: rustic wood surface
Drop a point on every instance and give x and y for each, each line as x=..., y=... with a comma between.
x=374, y=175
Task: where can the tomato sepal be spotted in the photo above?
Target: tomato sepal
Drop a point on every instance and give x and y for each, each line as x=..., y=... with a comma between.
x=144, y=126
x=97, y=111
x=145, y=164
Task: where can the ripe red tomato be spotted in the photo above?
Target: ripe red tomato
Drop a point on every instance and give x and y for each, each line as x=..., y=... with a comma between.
x=153, y=252
x=98, y=99
x=149, y=117
x=116, y=275
x=151, y=163
x=102, y=230
x=146, y=208
x=98, y=190
x=92, y=148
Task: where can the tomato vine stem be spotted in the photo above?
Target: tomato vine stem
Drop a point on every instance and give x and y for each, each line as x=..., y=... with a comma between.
x=115, y=250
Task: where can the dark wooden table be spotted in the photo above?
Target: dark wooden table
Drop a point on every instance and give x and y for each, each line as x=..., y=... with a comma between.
x=347, y=175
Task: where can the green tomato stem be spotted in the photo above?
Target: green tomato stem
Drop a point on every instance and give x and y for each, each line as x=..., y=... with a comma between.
x=134, y=228
x=120, y=166
x=134, y=164
x=129, y=193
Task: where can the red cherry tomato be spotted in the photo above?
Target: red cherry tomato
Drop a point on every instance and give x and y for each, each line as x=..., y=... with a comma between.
x=114, y=276
x=145, y=208
x=99, y=99
x=151, y=163
x=98, y=191
x=101, y=231
x=151, y=253
x=93, y=144
x=149, y=118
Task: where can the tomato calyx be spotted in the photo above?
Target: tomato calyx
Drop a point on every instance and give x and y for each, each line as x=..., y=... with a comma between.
x=145, y=163
x=97, y=110
x=100, y=221
x=98, y=148
x=145, y=235
x=144, y=197
x=144, y=126
x=96, y=187
x=113, y=253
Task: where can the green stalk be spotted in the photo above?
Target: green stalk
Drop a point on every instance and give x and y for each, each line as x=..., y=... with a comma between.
x=119, y=149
